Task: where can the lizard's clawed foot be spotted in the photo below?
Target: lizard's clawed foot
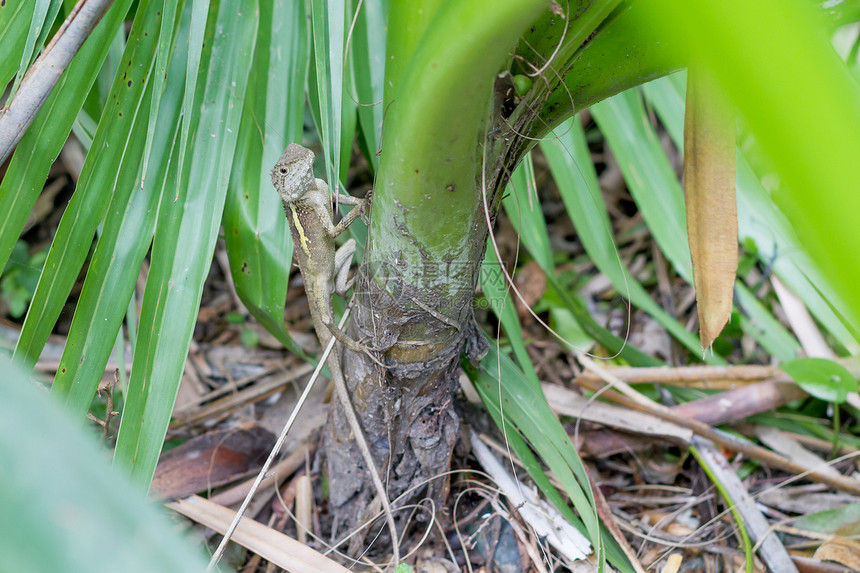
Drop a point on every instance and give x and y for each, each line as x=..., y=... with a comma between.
x=354, y=345
x=365, y=207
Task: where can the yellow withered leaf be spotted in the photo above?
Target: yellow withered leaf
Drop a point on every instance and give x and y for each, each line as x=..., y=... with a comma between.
x=709, y=188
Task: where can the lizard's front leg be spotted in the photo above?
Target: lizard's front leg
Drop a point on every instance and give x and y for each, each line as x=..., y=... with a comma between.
x=360, y=209
x=342, y=260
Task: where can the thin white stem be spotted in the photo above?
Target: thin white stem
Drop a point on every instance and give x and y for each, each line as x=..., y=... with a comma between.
x=275, y=450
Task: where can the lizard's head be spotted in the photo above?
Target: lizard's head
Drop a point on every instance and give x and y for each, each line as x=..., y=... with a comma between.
x=293, y=174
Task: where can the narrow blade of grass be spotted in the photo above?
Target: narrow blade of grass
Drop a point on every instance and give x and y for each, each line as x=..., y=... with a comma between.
x=259, y=244
x=50, y=21
x=328, y=18
x=650, y=178
x=523, y=209
x=162, y=57
x=96, y=186
x=124, y=242
x=14, y=26
x=527, y=219
x=496, y=290
x=525, y=408
x=98, y=98
x=761, y=221
x=570, y=162
x=199, y=17
x=368, y=56
x=186, y=232
x=42, y=143
x=44, y=13
x=349, y=119
x=92, y=335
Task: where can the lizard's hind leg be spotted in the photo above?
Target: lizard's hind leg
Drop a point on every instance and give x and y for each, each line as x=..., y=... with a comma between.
x=354, y=345
x=342, y=260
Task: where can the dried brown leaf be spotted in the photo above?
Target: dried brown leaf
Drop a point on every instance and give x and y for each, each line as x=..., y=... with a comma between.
x=211, y=460
x=712, y=219
x=840, y=550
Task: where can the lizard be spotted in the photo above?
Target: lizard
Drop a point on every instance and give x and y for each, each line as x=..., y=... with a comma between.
x=324, y=268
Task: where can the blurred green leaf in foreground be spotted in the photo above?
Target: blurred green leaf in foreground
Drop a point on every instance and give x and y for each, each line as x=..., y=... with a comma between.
x=64, y=507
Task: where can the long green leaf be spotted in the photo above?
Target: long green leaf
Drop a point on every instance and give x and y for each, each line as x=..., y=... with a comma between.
x=512, y=381
x=42, y=143
x=570, y=162
x=497, y=289
x=523, y=452
x=650, y=178
x=773, y=83
x=98, y=98
x=368, y=56
x=521, y=449
x=14, y=27
x=328, y=27
x=44, y=13
x=50, y=21
x=86, y=324
x=186, y=233
x=526, y=408
x=124, y=242
x=259, y=244
x=526, y=217
x=523, y=209
x=165, y=43
x=761, y=220
x=95, y=186
x=200, y=11
x=348, y=119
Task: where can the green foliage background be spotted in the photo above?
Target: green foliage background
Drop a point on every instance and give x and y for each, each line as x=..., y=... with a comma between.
x=184, y=116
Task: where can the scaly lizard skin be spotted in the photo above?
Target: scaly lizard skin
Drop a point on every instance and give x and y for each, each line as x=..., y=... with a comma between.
x=324, y=269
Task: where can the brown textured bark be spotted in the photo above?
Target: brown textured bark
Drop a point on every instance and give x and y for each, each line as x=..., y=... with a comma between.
x=407, y=408
x=411, y=428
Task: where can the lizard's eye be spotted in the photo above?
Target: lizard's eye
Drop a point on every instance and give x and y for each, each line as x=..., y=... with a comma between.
x=283, y=170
